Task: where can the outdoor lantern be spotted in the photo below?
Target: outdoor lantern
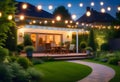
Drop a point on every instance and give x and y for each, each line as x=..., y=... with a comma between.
x=88, y=13
x=66, y=21
x=101, y=3
x=118, y=8
x=10, y=17
x=53, y=21
x=24, y=6
x=0, y=14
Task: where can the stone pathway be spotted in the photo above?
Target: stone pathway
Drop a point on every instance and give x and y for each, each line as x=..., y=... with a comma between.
x=100, y=73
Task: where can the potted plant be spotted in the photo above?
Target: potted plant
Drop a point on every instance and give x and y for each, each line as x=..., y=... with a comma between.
x=29, y=51
x=88, y=50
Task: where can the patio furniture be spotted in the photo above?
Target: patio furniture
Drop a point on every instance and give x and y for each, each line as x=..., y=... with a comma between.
x=72, y=48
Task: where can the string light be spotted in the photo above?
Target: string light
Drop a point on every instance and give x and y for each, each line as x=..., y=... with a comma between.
x=103, y=10
x=71, y=21
x=24, y=6
x=58, y=18
x=53, y=21
x=101, y=3
x=45, y=21
x=109, y=8
x=34, y=21
x=22, y=17
x=81, y=4
x=74, y=16
x=66, y=21
x=88, y=13
x=39, y=7
x=92, y=3
x=77, y=23
x=118, y=8
x=69, y=5
x=10, y=17
x=50, y=7
x=0, y=14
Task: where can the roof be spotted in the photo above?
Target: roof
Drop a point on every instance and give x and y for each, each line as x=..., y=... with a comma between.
x=96, y=17
x=32, y=11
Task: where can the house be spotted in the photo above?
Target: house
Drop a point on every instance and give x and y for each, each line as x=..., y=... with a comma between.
x=37, y=23
x=96, y=18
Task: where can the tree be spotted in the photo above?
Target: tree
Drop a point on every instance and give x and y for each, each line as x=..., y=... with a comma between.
x=27, y=40
x=63, y=12
x=91, y=40
x=7, y=7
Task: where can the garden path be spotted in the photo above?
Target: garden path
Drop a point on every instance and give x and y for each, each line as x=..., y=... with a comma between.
x=100, y=73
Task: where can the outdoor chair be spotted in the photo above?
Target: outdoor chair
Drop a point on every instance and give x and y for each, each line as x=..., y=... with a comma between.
x=72, y=48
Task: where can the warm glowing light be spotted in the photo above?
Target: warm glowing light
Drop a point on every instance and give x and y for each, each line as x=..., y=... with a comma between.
x=24, y=6
x=58, y=18
x=82, y=24
x=34, y=21
x=69, y=5
x=66, y=21
x=81, y=4
x=88, y=13
x=22, y=17
x=45, y=21
x=101, y=3
x=74, y=16
x=92, y=3
x=118, y=8
x=10, y=17
x=40, y=22
x=109, y=8
x=103, y=10
x=53, y=21
x=71, y=21
x=77, y=23
x=39, y=7
x=0, y=14
x=50, y=7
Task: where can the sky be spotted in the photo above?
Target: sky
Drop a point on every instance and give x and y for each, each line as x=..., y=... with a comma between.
x=76, y=9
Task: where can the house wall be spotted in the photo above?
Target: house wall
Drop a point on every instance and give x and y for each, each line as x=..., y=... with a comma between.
x=67, y=35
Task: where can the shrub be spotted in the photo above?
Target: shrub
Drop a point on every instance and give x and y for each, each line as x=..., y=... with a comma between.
x=89, y=48
x=113, y=61
x=29, y=48
x=83, y=45
x=105, y=47
x=37, y=61
x=20, y=47
x=3, y=53
x=20, y=75
x=24, y=62
x=5, y=73
x=35, y=76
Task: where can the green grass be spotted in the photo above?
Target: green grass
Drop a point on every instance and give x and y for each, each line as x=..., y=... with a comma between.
x=116, y=68
x=63, y=71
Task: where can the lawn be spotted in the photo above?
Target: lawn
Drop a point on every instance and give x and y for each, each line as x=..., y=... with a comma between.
x=116, y=68
x=63, y=71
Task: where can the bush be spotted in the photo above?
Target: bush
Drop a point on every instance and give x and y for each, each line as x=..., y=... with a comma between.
x=105, y=47
x=35, y=76
x=37, y=61
x=3, y=53
x=83, y=45
x=113, y=61
x=29, y=48
x=20, y=47
x=5, y=73
x=24, y=62
x=89, y=48
x=20, y=75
